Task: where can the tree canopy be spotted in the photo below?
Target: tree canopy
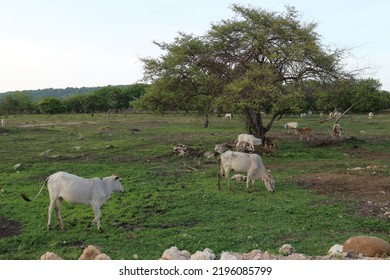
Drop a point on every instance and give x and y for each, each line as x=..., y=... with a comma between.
x=255, y=62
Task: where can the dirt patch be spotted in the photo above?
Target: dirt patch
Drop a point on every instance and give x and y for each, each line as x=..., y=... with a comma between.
x=371, y=191
x=8, y=228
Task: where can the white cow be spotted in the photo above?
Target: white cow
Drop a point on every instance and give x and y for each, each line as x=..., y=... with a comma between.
x=252, y=140
x=370, y=115
x=336, y=131
x=291, y=125
x=74, y=189
x=3, y=122
x=243, y=162
x=228, y=116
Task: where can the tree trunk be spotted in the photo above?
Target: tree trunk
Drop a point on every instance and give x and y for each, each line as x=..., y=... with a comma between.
x=255, y=123
x=206, y=121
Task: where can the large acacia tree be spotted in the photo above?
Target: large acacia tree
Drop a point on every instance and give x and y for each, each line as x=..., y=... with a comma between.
x=254, y=62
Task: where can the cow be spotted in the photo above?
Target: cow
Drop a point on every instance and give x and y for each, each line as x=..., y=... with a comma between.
x=291, y=125
x=228, y=116
x=304, y=131
x=3, y=122
x=370, y=115
x=252, y=140
x=243, y=162
x=74, y=189
x=336, y=131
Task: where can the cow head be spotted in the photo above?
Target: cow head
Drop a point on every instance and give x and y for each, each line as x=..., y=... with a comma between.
x=117, y=183
x=269, y=183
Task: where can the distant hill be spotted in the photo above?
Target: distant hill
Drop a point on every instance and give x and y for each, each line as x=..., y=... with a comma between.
x=59, y=93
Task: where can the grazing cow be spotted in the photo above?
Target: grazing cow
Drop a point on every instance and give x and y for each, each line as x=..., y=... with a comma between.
x=291, y=125
x=3, y=122
x=243, y=162
x=304, y=131
x=303, y=115
x=74, y=189
x=250, y=139
x=228, y=116
x=336, y=131
x=370, y=115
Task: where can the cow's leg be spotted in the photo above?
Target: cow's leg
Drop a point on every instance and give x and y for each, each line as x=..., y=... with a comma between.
x=51, y=206
x=227, y=170
x=96, y=211
x=58, y=212
x=220, y=174
x=248, y=178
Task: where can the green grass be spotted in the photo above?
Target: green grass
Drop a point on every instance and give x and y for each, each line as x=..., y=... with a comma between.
x=172, y=201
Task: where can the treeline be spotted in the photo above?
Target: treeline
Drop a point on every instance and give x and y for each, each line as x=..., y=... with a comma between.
x=366, y=95
x=102, y=99
x=61, y=93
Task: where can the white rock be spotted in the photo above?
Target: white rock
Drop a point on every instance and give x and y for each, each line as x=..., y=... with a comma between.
x=174, y=253
x=286, y=250
x=207, y=254
x=17, y=166
x=336, y=250
x=231, y=256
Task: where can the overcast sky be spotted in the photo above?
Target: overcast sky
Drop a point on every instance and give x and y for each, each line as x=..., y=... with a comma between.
x=76, y=43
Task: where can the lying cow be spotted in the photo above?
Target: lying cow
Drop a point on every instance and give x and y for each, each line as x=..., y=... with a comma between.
x=250, y=139
x=74, y=189
x=243, y=162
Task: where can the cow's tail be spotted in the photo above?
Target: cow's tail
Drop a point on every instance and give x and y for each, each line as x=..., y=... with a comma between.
x=24, y=196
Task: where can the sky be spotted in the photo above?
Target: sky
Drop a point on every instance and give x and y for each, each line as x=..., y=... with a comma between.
x=86, y=43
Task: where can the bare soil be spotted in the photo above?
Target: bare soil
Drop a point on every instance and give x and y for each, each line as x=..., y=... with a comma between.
x=364, y=186
x=8, y=228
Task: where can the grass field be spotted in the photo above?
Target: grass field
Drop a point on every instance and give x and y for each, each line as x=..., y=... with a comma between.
x=174, y=201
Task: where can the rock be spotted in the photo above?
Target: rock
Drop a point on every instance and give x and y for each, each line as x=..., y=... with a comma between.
x=50, y=256
x=295, y=256
x=102, y=256
x=335, y=250
x=207, y=254
x=174, y=253
x=253, y=255
x=266, y=256
x=231, y=256
x=367, y=246
x=286, y=250
x=90, y=253
x=17, y=166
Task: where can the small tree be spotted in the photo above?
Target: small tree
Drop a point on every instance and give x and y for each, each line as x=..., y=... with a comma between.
x=51, y=105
